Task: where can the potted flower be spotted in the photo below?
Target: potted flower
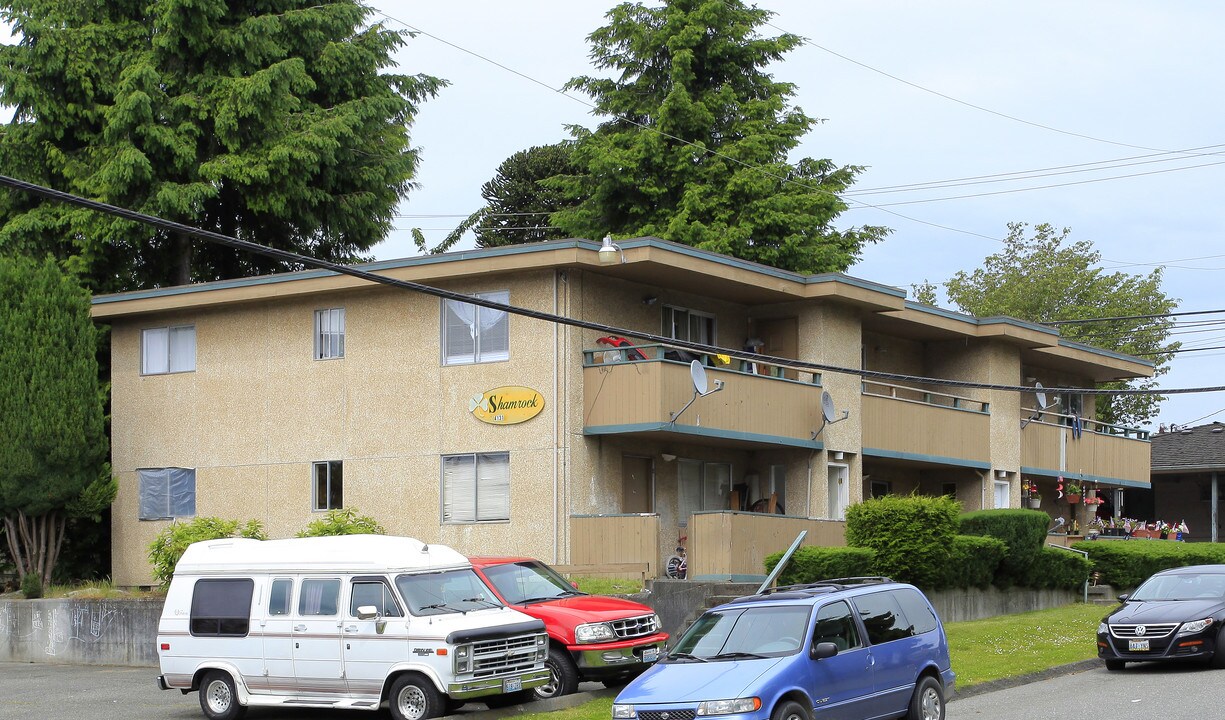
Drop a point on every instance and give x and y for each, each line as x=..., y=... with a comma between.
x=1029, y=493
x=1072, y=491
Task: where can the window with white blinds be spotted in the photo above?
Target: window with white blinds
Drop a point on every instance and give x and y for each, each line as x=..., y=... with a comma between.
x=476, y=487
x=475, y=334
x=329, y=333
x=168, y=350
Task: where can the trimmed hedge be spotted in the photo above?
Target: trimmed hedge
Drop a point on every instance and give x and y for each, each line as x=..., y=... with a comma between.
x=911, y=535
x=972, y=561
x=1023, y=531
x=1127, y=563
x=812, y=564
x=1058, y=570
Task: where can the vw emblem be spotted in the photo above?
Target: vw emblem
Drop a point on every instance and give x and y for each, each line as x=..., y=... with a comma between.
x=665, y=715
x=1140, y=630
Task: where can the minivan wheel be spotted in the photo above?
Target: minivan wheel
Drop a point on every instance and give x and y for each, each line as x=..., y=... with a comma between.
x=218, y=698
x=563, y=676
x=413, y=697
x=790, y=710
x=928, y=700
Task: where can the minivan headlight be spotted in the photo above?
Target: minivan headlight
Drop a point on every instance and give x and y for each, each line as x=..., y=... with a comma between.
x=594, y=632
x=1195, y=626
x=623, y=712
x=728, y=707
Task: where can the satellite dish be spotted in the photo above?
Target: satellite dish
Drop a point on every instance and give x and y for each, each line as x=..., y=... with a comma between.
x=827, y=407
x=1038, y=392
x=698, y=373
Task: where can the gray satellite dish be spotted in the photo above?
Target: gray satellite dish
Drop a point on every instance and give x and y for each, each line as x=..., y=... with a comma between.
x=1040, y=396
x=829, y=413
x=698, y=373
x=1038, y=392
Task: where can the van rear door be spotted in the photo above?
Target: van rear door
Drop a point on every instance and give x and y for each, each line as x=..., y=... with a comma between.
x=317, y=665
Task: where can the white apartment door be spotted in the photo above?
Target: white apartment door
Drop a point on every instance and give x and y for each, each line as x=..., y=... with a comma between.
x=839, y=491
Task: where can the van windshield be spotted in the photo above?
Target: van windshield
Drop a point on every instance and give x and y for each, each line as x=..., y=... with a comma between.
x=737, y=634
x=453, y=591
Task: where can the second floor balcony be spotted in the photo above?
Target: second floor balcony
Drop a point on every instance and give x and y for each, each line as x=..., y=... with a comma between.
x=916, y=424
x=1055, y=444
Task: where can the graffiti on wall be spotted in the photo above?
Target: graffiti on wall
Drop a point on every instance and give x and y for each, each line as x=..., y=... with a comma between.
x=55, y=628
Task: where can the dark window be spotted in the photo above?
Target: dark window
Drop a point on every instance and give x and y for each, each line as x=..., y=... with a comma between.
x=280, y=599
x=882, y=617
x=328, y=493
x=221, y=607
x=319, y=597
x=918, y=613
x=835, y=624
x=377, y=594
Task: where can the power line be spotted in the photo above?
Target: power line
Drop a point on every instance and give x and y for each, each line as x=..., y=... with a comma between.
x=1132, y=317
x=310, y=262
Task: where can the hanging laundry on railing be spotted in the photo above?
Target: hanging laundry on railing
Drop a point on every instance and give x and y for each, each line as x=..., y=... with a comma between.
x=628, y=351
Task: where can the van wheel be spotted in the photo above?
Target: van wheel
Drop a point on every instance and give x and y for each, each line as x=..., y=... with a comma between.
x=563, y=676
x=218, y=699
x=413, y=697
x=928, y=700
x=790, y=710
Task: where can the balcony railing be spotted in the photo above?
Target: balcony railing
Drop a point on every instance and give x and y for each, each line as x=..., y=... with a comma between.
x=643, y=389
x=920, y=424
x=1091, y=450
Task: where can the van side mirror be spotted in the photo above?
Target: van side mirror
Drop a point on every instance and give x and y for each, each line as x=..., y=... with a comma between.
x=823, y=650
x=367, y=612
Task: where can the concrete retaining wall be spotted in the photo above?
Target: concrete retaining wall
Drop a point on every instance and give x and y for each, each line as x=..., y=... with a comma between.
x=123, y=632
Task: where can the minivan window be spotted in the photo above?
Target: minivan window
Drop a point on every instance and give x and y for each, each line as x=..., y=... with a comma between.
x=835, y=624
x=319, y=597
x=221, y=607
x=280, y=598
x=882, y=617
x=374, y=593
x=918, y=613
x=452, y=591
x=734, y=633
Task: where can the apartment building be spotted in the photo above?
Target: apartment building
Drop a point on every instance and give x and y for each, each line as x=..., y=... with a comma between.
x=283, y=396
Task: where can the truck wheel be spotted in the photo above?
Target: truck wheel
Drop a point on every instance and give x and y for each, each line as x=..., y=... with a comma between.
x=928, y=700
x=218, y=699
x=563, y=676
x=413, y=697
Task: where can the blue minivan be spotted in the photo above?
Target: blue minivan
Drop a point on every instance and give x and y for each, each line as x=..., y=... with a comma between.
x=852, y=648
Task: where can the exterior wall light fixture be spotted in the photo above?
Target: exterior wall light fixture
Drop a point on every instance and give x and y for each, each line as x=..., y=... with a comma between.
x=610, y=251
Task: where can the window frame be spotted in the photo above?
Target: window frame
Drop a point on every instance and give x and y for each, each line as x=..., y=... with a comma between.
x=709, y=324
x=169, y=359
x=479, y=354
x=330, y=342
x=227, y=599
x=685, y=495
x=316, y=506
x=142, y=476
x=447, y=493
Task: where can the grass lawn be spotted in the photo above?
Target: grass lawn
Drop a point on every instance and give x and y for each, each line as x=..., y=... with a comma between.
x=982, y=650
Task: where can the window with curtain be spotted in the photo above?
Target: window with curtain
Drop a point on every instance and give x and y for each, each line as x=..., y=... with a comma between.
x=328, y=487
x=475, y=334
x=166, y=493
x=168, y=350
x=691, y=325
x=319, y=597
x=329, y=333
x=702, y=486
x=476, y=487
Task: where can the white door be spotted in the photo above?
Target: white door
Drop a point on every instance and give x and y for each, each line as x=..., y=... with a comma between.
x=277, y=621
x=839, y=491
x=316, y=638
x=372, y=646
x=1003, y=493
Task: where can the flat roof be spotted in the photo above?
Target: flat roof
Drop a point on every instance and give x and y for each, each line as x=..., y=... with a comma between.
x=336, y=554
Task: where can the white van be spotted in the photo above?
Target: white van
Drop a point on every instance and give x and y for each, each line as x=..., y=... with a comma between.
x=342, y=622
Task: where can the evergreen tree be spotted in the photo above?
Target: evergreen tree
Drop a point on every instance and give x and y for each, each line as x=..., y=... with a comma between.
x=52, y=457
x=696, y=150
x=269, y=120
x=518, y=204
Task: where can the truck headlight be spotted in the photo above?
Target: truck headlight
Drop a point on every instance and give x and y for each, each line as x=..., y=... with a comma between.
x=623, y=712
x=1196, y=626
x=729, y=707
x=594, y=633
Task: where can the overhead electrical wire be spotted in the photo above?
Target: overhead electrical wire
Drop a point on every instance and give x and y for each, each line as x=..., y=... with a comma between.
x=310, y=262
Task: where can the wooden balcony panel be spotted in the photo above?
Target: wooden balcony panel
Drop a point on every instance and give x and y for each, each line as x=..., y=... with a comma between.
x=1094, y=455
x=925, y=430
x=736, y=543
x=646, y=392
x=616, y=539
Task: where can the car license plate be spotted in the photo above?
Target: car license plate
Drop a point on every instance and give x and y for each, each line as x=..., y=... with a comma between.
x=650, y=655
x=1137, y=645
x=510, y=685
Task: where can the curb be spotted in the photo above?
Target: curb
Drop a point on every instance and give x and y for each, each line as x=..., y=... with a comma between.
x=1005, y=683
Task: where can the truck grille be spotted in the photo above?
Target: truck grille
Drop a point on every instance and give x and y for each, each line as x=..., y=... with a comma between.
x=635, y=627
x=1150, y=631
x=506, y=655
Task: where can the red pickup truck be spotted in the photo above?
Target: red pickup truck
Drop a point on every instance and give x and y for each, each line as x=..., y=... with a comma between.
x=591, y=637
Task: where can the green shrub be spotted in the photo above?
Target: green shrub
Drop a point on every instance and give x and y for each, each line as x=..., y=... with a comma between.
x=911, y=535
x=31, y=586
x=972, y=562
x=1058, y=570
x=172, y=542
x=343, y=522
x=1125, y=564
x=812, y=564
x=1022, y=531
